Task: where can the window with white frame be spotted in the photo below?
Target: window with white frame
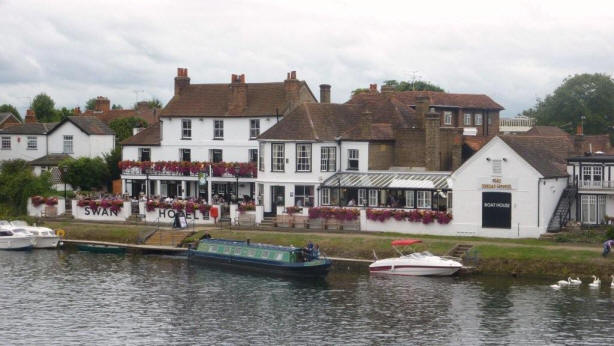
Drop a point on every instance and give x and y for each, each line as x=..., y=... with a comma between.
x=68, y=144
x=32, y=143
x=277, y=157
x=467, y=119
x=328, y=159
x=326, y=196
x=186, y=129
x=254, y=128
x=261, y=157
x=218, y=129
x=144, y=154
x=303, y=157
x=592, y=176
x=362, y=197
x=252, y=155
x=352, y=159
x=478, y=118
x=424, y=199
x=409, y=199
x=447, y=118
x=496, y=166
x=6, y=143
x=373, y=194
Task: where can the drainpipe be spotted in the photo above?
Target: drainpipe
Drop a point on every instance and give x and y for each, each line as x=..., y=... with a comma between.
x=538, y=198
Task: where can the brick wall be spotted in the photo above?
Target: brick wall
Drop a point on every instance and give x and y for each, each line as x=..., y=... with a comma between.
x=409, y=148
x=451, y=140
x=9, y=122
x=381, y=155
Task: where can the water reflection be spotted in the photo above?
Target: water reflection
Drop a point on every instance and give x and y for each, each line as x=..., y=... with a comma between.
x=77, y=297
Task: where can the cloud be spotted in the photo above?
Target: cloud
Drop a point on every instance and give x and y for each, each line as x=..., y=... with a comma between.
x=515, y=52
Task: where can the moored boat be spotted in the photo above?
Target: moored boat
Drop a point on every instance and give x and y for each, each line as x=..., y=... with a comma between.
x=44, y=238
x=260, y=257
x=13, y=241
x=415, y=264
x=100, y=248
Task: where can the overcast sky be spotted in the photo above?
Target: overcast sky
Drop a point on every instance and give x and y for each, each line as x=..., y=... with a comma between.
x=75, y=50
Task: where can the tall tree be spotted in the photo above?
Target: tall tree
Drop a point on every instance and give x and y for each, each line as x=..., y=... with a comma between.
x=114, y=106
x=90, y=105
x=582, y=97
x=153, y=103
x=18, y=183
x=43, y=106
x=7, y=108
x=123, y=126
x=112, y=160
x=85, y=172
x=416, y=85
x=63, y=113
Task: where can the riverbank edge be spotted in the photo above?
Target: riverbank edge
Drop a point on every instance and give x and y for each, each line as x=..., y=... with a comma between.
x=356, y=248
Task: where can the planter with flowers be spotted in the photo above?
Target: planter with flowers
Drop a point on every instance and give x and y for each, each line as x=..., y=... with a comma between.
x=39, y=206
x=218, y=169
x=411, y=221
x=335, y=218
x=195, y=212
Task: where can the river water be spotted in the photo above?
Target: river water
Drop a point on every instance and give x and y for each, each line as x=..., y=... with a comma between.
x=70, y=297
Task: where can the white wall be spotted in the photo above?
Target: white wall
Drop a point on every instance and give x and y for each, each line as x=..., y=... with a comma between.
x=84, y=145
x=85, y=213
x=467, y=194
x=19, y=148
x=38, y=211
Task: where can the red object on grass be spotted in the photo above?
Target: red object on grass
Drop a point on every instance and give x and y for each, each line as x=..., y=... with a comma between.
x=405, y=242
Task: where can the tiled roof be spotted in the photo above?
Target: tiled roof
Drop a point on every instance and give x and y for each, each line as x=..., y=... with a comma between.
x=594, y=143
x=475, y=143
x=390, y=179
x=90, y=125
x=327, y=121
x=546, y=131
x=214, y=100
x=150, y=115
x=148, y=136
x=5, y=116
x=49, y=160
x=29, y=129
x=436, y=98
x=546, y=154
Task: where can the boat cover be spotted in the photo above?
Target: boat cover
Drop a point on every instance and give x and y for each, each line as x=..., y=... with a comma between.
x=405, y=242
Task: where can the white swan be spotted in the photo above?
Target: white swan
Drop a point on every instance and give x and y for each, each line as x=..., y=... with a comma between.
x=596, y=282
x=555, y=286
x=564, y=282
x=612, y=283
x=575, y=281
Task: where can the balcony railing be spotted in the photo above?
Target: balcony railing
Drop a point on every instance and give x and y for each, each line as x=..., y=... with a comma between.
x=193, y=169
x=587, y=184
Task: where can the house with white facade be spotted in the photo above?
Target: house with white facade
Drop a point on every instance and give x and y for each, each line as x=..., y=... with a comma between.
x=44, y=145
x=593, y=174
x=205, y=143
x=513, y=187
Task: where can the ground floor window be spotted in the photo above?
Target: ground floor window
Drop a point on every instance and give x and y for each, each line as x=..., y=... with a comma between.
x=303, y=195
x=362, y=197
x=325, y=196
x=424, y=199
x=592, y=209
x=373, y=198
x=409, y=199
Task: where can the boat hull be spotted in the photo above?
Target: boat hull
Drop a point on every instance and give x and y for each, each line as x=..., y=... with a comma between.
x=16, y=244
x=101, y=248
x=42, y=242
x=414, y=270
x=302, y=269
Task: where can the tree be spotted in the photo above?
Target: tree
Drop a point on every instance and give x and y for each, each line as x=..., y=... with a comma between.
x=153, y=103
x=114, y=106
x=63, y=113
x=18, y=183
x=86, y=173
x=90, y=105
x=43, y=106
x=7, y=108
x=583, y=95
x=417, y=85
x=123, y=126
x=112, y=160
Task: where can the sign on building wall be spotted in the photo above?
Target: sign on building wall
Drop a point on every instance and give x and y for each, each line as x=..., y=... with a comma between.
x=496, y=210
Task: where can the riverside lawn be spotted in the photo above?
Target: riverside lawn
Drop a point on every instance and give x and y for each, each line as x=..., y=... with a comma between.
x=526, y=257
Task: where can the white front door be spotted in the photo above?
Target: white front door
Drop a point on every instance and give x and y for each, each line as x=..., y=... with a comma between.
x=592, y=209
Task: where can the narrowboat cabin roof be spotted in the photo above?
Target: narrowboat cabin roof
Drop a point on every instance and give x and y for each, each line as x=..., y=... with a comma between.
x=253, y=245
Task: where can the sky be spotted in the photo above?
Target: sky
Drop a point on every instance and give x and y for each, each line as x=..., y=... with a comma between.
x=514, y=51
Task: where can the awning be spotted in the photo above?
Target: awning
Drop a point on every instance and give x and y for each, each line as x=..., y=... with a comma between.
x=390, y=180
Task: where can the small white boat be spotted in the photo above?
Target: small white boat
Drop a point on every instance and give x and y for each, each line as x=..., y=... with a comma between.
x=416, y=264
x=44, y=238
x=12, y=241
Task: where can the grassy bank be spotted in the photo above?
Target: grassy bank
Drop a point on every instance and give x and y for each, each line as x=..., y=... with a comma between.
x=523, y=257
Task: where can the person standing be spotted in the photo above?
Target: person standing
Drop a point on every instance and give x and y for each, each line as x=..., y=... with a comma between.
x=607, y=246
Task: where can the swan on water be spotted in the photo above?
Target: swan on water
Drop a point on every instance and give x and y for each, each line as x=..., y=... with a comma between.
x=564, y=282
x=596, y=282
x=555, y=286
x=575, y=281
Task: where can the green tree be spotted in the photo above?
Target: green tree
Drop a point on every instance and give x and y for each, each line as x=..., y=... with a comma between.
x=112, y=160
x=90, y=105
x=583, y=95
x=63, y=113
x=123, y=126
x=43, y=106
x=153, y=103
x=114, y=106
x=417, y=85
x=86, y=173
x=7, y=108
x=18, y=183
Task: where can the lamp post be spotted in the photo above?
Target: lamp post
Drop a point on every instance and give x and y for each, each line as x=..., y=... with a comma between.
x=237, y=168
x=339, y=190
x=64, y=170
x=147, y=172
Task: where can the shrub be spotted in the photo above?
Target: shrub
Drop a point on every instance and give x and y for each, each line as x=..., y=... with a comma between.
x=609, y=234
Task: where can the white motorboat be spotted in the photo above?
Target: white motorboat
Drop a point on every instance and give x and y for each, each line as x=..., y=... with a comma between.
x=416, y=264
x=44, y=238
x=14, y=241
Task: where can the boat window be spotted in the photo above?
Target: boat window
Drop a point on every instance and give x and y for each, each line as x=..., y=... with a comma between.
x=280, y=256
x=251, y=252
x=19, y=223
x=211, y=248
x=237, y=251
x=227, y=249
x=5, y=233
x=265, y=254
x=4, y=223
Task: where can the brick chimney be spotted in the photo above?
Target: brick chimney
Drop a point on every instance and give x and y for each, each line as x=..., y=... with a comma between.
x=76, y=111
x=102, y=104
x=238, y=99
x=30, y=117
x=182, y=80
x=422, y=107
x=324, y=93
x=142, y=105
x=372, y=88
x=579, y=130
x=432, y=148
x=366, y=120
x=292, y=87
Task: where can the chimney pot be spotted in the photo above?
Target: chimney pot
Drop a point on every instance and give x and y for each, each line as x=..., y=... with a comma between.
x=373, y=88
x=324, y=93
x=30, y=117
x=293, y=75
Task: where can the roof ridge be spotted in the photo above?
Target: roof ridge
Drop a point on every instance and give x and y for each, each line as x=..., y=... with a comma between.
x=313, y=129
